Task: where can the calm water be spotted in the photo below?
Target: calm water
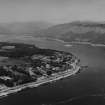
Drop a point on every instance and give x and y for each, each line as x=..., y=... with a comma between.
x=85, y=88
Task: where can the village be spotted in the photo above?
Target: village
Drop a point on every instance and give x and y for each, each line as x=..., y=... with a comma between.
x=38, y=67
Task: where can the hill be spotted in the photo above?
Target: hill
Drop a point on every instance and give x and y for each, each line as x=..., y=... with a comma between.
x=76, y=31
x=22, y=27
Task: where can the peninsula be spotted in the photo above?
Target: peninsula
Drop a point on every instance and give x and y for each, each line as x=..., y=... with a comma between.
x=24, y=65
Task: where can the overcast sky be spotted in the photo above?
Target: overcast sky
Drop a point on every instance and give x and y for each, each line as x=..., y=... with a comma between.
x=58, y=11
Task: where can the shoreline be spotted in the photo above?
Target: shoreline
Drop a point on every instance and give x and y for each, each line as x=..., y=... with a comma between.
x=64, y=42
x=53, y=78
x=76, y=42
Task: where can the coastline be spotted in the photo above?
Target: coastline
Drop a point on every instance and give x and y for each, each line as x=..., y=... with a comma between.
x=53, y=78
x=76, y=42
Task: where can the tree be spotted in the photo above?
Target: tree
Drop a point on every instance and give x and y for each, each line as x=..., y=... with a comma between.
x=49, y=72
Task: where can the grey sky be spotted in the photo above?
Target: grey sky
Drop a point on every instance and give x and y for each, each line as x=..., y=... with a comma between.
x=57, y=11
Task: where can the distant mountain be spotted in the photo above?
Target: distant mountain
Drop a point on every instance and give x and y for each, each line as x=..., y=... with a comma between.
x=23, y=27
x=76, y=31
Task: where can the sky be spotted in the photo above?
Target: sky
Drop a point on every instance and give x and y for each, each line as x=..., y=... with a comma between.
x=54, y=11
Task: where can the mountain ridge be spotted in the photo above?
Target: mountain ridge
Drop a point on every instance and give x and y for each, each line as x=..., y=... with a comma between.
x=76, y=31
x=23, y=27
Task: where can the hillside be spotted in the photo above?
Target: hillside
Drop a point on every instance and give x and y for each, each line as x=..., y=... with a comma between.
x=76, y=31
x=22, y=27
